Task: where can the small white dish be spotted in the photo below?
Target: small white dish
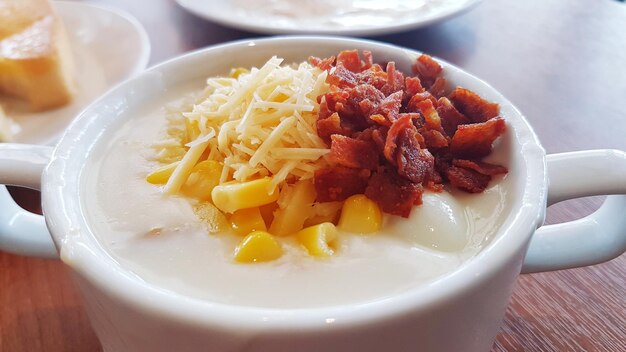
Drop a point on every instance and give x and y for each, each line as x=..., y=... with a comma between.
x=338, y=17
x=108, y=46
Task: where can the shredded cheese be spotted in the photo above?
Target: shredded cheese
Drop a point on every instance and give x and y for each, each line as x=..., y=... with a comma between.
x=258, y=123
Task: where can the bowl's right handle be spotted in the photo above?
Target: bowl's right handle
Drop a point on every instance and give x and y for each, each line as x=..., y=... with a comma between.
x=593, y=239
x=22, y=232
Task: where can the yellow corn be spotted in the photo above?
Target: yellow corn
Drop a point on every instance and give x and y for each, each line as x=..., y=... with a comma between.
x=235, y=72
x=259, y=246
x=211, y=216
x=244, y=221
x=203, y=178
x=229, y=197
x=297, y=208
x=318, y=239
x=162, y=174
x=360, y=215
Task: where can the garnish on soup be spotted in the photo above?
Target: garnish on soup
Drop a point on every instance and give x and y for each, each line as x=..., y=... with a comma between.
x=328, y=144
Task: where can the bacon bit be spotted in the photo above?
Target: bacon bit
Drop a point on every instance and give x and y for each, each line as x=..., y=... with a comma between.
x=413, y=105
x=354, y=153
x=414, y=163
x=475, y=140
x=369, y=60
x=395, y=81
x=473, y=106
x=467, y=180
x=391, y=142
x=431, y=117
x=330, y=126
x=438, y=88
x=434, y=139
x=480, y=167
x=413, y=86
x=450, y=116
x=366, y=97
x=427, y=70
x=338, y=183
x=394, y=194
x=322, y=64
x=377, y=119
x=390, y=106
x=350, y=60
x=342, y=78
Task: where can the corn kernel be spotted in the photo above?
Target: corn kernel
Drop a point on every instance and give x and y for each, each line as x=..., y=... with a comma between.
x=259, y=246
x=162, y=174
x=211, y=216
x=236, y=72
x=318, y=239
x=360, y=215
x=294, y=210
x=229, y=197
x=203, y=178
x=244, y=221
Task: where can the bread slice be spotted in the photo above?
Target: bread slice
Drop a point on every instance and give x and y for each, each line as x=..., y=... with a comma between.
x=5, y=127
x=36, y=62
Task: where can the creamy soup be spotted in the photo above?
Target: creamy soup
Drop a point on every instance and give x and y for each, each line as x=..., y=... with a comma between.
x=161, y=240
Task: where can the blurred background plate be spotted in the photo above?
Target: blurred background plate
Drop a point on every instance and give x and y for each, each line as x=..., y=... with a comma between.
x=108, y=46
x=339, y=17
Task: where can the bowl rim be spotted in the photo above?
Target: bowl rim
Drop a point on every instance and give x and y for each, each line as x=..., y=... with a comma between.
x=62, y=208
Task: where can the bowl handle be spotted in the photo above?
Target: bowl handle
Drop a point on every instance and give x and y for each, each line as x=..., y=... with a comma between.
x=593, y=239
x=23, y=232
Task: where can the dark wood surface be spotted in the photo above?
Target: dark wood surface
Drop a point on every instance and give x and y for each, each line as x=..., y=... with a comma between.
x=561, y=62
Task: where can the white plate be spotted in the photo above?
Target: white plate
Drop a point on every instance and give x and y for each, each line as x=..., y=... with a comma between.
x=108, y=45
x=343, y=17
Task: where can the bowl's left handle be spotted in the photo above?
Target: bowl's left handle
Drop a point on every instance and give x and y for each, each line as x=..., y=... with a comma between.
x=22, y=232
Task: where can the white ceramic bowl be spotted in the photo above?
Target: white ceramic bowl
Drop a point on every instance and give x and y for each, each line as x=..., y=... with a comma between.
x=459, y=312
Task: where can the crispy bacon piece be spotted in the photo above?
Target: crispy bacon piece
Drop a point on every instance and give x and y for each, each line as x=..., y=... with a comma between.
x=480, y=167
x=450, y=116
x=367, y=98
x=433, y=139
x=427, y=70
x=431, y=117
x=474, y=140
x=414, y=163
x=350, y=60
x=405, y=128
x=354, y=153
x=391, y=142
x=438, y=88
x=413, y=86
x=473, y=106
x=322, y=64
x=393, y=193
x=329, y=126
x=395, y=80
x=375, y=76
x=467, y=180
x=338, y=183
x=390, y=106
x=413, y=105
x=342, y=78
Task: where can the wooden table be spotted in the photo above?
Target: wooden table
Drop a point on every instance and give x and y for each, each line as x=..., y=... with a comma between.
x=563, y=63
